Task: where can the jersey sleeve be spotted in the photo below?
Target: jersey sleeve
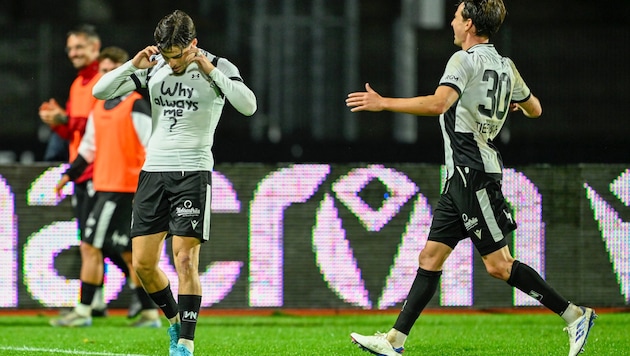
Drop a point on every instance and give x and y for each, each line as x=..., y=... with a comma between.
x=457, y=72
x=521, y=91
x=119, y=81
x=228, y=79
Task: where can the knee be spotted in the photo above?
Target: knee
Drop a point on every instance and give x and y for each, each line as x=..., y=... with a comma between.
x=89, y=252
x=500, y=270
x=430, y=261
x=142, y=267
x=185, y=264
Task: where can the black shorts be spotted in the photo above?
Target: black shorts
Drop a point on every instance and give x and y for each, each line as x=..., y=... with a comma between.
x=83, y=201
x=472, y=205
x=109, y=224
x=175, y=202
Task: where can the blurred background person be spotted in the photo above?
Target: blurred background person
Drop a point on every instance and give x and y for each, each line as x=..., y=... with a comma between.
x=116, y=134
x=83, y=46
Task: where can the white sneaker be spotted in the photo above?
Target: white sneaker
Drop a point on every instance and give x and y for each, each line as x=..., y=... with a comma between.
x=144, y=322
x=376, y=344
x=579, y=329
x=72, y=319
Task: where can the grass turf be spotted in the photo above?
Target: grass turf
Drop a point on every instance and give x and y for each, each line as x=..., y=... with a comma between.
x=434, y=334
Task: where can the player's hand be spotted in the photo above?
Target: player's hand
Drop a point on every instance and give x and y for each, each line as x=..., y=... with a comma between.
x=61, y=184
x=51, y=113
x=515, y=107
x=194, y=54
x=142, y=59
x=368, y=100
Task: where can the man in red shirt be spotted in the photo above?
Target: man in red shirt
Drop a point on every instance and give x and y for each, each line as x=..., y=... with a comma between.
x=116, y=134
x=83, y=46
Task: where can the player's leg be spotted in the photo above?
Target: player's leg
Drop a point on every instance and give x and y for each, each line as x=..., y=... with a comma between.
x=190, y=227
x=146, y=252
x=495, y=222
x=146, y=308
x=445, y=225
x=86, y=207
x=152, y=212
x=186, y=258
x=501, y=265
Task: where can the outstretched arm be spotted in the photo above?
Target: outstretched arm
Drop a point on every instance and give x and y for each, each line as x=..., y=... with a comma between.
x=429, y=105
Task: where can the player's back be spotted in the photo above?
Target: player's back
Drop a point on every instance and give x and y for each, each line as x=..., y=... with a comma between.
x=485, y=81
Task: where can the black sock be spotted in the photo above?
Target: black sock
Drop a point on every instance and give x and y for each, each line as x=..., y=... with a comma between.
x=145, y=300
x=422, y=290
x=87, y=292
x=189, y=306
x=165, y=301
x=530, y=282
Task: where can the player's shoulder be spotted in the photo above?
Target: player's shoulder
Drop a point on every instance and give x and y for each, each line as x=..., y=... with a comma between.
x=461, y=59
x=218, y=61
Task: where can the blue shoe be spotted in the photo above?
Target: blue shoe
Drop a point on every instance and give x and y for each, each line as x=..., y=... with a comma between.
x=173, y=333
x=183, y=351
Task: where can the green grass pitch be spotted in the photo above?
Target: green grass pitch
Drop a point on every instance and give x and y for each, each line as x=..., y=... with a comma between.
x=281, y=334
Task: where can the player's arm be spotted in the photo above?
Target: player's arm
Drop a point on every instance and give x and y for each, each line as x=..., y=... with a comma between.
x=429, y=105
x=124, y=79
x=530, y=107
x=87, y=149
x=116, y=82
x=240, y=96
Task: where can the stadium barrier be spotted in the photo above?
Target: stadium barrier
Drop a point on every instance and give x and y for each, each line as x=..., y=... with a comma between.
x=337, y=236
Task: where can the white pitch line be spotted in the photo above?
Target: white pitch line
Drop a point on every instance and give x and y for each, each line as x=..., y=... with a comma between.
x=60, y=351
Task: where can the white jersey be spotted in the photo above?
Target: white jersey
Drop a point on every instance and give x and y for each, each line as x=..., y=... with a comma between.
x=185, y=108
x=486, y=83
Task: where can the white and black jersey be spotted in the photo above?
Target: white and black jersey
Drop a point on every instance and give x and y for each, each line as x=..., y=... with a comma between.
x=486, y=83
x=185, y=108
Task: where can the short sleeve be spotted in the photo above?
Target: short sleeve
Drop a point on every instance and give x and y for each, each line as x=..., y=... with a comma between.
x=457, y=72
x=521, y=91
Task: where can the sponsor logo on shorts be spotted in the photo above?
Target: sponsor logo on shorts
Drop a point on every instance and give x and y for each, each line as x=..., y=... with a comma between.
x=194, y=223
x=120, y=239
x=508, y=215
x=478, y=233
x=469, y=223
x=187, y=210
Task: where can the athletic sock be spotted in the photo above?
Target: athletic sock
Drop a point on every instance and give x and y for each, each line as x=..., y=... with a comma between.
x=190, y=345
x=572, y=313
x=145, y=299
x=83, y=310
x=422, y=290
x=87, y=292
x=530, y=282
x=189, y=306
x=165, y=301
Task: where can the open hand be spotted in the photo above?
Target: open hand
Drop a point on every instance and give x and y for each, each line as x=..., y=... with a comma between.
x=368, y=100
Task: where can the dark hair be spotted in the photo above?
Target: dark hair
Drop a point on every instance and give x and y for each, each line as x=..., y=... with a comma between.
x=486, y=15
x=115, y=54
x=175, y=29
x=89, y=31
